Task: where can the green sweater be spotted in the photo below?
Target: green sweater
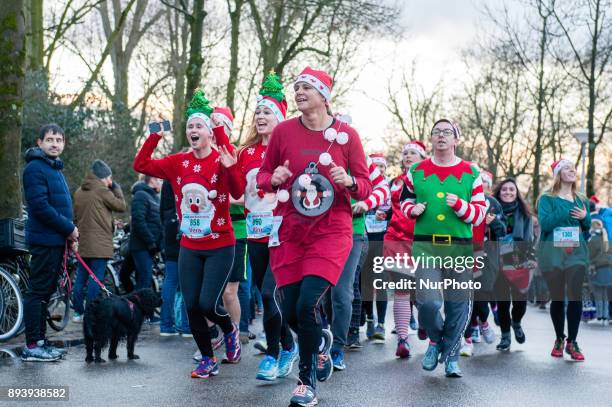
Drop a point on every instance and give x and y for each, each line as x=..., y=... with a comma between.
x=554, y=212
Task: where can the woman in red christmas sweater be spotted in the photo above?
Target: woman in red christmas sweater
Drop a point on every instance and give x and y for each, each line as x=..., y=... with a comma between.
x=271, y=109
x=306, y=163
x=202, y=181
x=398, y=241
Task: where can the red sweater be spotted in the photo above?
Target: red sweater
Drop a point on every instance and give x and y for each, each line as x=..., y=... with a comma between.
x=400, y=228
x=292, y=141
x=193, y=181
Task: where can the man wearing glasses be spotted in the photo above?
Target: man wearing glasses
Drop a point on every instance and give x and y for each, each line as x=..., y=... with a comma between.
x=445, y=195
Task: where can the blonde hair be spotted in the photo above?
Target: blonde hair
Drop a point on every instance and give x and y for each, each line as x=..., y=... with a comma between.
x=252, y=137
x=555, y=187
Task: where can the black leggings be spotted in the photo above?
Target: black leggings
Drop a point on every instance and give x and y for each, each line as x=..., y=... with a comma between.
x=561, y=283
x=507, y=295
x=300, y=304
x=480, y=311
x=375, y=249
x=203, y=275
x=274, y=325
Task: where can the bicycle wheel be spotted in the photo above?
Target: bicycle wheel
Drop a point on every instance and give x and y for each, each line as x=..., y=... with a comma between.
x=58, y=307
x=11, y=310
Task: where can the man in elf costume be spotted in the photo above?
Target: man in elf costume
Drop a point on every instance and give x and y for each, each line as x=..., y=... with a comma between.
x=446, y=197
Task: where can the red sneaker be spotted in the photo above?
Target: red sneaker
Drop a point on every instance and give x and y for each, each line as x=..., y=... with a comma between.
x=572, y=349
x=403, y=349
x=557, y=351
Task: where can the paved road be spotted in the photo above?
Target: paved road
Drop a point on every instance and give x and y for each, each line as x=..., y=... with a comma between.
x=525, y=376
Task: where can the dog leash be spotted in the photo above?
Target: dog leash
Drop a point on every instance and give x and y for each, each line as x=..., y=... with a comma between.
x=91, y=273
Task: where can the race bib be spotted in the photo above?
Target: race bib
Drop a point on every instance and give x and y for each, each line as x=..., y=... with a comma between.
x=196, y=226
x=276, y=223
x=374, y=225
x=566, y=236
x=259, y=224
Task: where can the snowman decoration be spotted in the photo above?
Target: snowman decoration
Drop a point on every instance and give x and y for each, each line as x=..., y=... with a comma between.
x=197, y=210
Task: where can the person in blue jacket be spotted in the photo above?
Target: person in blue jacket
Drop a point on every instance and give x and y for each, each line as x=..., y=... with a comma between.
x=48, y=230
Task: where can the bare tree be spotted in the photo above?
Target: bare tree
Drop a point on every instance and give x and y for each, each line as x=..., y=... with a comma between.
x=235, y=14
x=12, y=69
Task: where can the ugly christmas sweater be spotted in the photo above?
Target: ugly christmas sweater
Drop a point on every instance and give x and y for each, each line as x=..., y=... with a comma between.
x=201, y=189
x=428, y=182
x=316, y=220
x=380, y=196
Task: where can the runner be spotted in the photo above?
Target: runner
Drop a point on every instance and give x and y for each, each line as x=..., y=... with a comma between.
x=517, y=256
x=445, y=196
x=312, y=236
x=485, y=244
x=271, y=109
x=398, y=240
x=563, y=255
x=202, y=181
x=343, y=294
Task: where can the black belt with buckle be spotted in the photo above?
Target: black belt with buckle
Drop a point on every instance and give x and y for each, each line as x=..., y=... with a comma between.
x=441, y=240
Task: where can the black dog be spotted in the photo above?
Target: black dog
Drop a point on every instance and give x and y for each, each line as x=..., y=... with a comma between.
x=113, y=317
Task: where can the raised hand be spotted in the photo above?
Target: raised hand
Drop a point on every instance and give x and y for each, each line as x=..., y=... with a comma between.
x=339, y=176
x=227, y=159
x=281, y=174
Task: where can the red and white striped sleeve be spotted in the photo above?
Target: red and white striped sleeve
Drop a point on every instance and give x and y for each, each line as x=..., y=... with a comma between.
x=408, y=204
x=472, y=212
x=380, y=187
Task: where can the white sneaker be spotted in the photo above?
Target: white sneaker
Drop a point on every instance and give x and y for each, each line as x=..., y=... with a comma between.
x=476, y=335
x=197, y=356
x=78, y=318
x=488, y=334
x=467, y=349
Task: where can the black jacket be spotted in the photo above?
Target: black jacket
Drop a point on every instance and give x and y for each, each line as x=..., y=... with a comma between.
x=146, y=229
x=170, y=223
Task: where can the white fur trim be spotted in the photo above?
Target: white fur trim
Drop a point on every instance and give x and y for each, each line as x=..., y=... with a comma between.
x=316, y=83
x=561, y=164
x=226, y=120
x=263, y=102
x=202, y=116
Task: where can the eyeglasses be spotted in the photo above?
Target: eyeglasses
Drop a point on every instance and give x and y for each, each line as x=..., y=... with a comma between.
x=445, y=132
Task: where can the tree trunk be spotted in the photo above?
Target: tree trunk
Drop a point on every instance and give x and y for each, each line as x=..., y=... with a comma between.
x=234, y=48
x=12, y=73
x=540, y=109
x=35, y=45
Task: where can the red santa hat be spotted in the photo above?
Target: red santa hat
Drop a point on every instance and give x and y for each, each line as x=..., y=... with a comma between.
x=558, y=165
x=594, y=199
x=487, y=177
x=224, y=114
x=320, y=80
x=378, y=158
x=417, y=146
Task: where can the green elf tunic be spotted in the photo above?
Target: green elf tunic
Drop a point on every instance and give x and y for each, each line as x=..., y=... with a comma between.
x=443, y=230
x=562, y=240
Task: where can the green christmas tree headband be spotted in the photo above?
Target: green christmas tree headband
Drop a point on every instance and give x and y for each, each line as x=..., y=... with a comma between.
x=272, y=96
x=199, y=108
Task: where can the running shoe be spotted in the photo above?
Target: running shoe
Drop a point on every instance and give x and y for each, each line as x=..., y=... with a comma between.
x=217, y=338
x=268, y=369
x=557, y=351
x=467, y=349
x=197, y=356
x=369, y=328
x=421, y=334
x=337, y=356
x=352, y=340
x=430, y=360
x=379, y=334
x=476, y=334
x=403, y=349
x=168, y=333
x=324, y=363
x=261, y=346
x=519, y=335
x=572, y=349
x=488, y=334
x=53, y=349
x=286, y=360
x=303, y=396
x=414, y=325
x=451, y=369
x=505, y=342
x=244, y=337
x=38, y=354
x=232, y=346
x=207, y=367
x=78, y=318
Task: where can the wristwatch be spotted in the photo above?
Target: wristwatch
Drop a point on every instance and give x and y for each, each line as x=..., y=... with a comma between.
x=354, y=186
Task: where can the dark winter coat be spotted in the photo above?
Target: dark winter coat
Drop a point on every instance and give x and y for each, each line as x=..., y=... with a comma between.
x=146, y=229
x=170, y=223
x=94, y=204
x=48, y=200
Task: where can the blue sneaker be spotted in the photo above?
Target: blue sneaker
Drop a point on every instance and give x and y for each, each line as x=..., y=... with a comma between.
x=430, y=360
x=324, y=364
x=206, y=368
x=370, y=328
x=452, y=369
x=38, y=354
x=337, y=356
x=414, y=325
x=268, y=369
x=303, y=396
x=52, y=349
x=286, y=359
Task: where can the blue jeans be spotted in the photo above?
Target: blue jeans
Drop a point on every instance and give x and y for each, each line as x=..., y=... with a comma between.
x=244, y=297
x=98, y=266
x=343, y=293
x=181, y=320
x=169, y=288
x=144, y=269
